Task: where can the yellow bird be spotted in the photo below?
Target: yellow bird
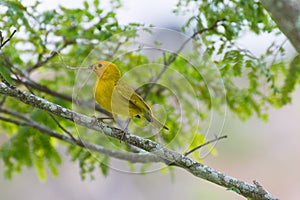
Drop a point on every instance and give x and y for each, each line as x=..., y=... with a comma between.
x=117, y=97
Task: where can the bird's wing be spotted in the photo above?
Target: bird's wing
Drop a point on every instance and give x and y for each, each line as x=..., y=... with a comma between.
x=137, y=101
x=130, y=95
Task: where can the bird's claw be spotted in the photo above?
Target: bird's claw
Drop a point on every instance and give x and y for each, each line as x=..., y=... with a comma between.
x=125, y=132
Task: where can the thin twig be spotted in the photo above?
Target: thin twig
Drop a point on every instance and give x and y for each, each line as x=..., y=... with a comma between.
x=62, y=128
x=204, y=144
x=173, y=56
x=68, y=66
x=14, y=121
x=4, y=81
x=1, y=38
x=15, y=114
x=52, y=55
x=4, y=43
x=42, y=62
x=278, y=50
x=28, y=88
x=213, y=26
x=110, y=56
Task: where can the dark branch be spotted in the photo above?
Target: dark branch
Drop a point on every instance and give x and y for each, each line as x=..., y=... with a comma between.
x=6, y=41
x=204, y=144
x=111, y=55
x=13, y=113
x=173, y=56
x=62, y=128
x=51, y=56
x=14, y=121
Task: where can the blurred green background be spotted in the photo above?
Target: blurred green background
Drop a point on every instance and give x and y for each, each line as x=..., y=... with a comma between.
x=264, y=151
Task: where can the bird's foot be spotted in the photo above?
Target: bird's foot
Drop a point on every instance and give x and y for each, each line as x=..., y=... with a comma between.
x=125, y=132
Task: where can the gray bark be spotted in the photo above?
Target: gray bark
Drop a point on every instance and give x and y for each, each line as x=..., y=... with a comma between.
x=168, y=156
x=286, y=14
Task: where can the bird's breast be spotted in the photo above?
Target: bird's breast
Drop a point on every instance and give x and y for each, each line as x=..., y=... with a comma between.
x=103, y=93
x=108, y=97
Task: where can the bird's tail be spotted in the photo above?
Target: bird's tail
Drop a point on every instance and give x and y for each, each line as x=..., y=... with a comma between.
x=155, y=122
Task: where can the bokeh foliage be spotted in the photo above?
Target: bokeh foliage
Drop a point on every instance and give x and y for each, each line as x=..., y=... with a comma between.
x=252, y=84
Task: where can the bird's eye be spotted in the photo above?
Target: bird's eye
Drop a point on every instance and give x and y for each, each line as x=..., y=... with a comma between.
x=99, y=65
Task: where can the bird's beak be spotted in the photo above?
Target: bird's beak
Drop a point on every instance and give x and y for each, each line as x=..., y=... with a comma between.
x=92, y=67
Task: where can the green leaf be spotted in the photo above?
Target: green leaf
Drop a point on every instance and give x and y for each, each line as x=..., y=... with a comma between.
x=6, y=74
x=96, y=3
x=197, y=140
x=291, y=80
x=40, y=168
x=86, y=5
x=104, y=166
x=234, y=189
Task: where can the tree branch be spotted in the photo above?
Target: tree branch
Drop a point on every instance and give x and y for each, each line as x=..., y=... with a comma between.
x=131, y=157
x=286, y=14
x=179, y=160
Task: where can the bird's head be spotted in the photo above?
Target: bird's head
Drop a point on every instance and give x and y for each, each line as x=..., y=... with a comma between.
x=102, y=66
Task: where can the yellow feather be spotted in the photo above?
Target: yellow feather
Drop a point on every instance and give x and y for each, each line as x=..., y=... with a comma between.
x=117, y=97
